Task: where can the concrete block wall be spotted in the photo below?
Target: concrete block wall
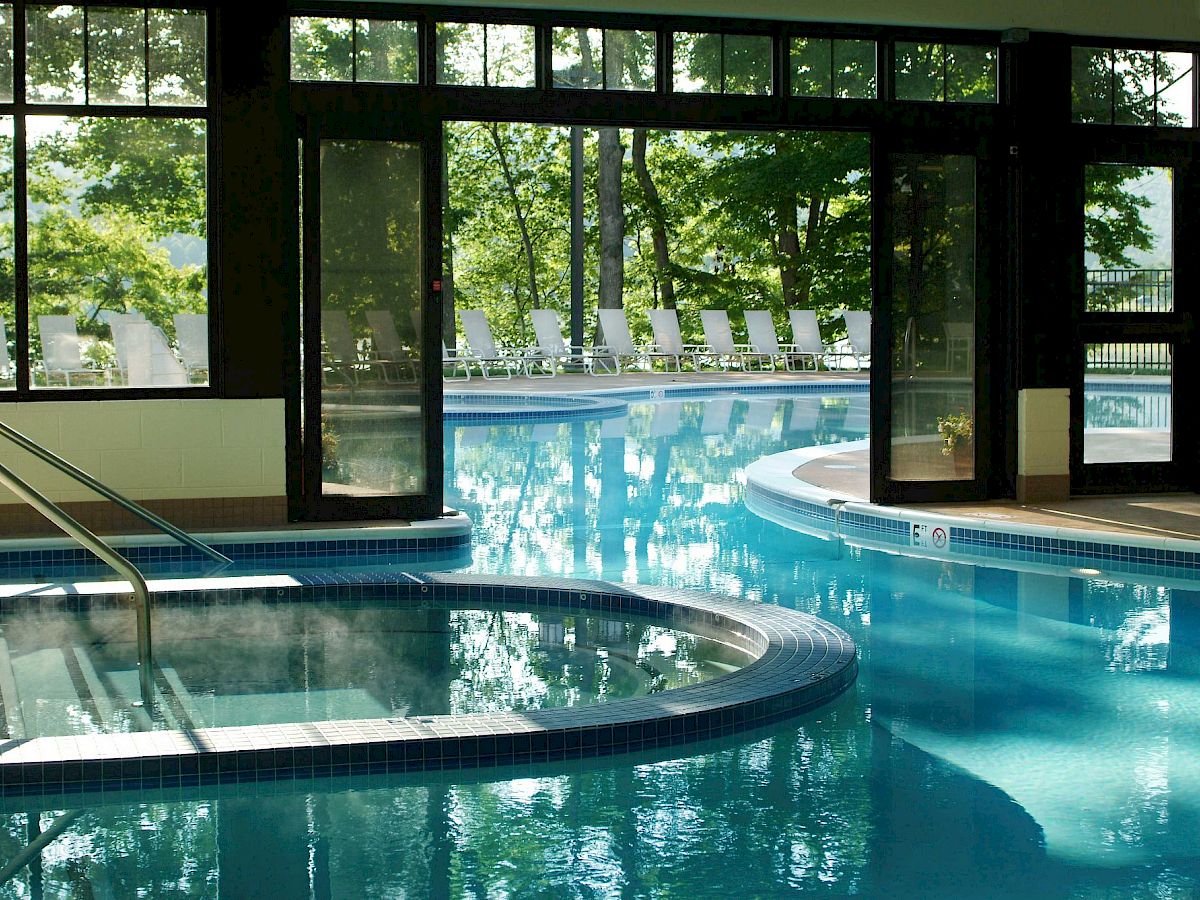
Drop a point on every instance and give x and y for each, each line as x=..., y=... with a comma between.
x=1043, y=444
x=192, y=459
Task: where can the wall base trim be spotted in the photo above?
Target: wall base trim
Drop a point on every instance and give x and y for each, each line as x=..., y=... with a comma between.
x=1043, y=488
x=192, y=514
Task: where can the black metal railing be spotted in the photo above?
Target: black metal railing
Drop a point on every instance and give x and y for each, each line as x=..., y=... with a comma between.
x=1130, y=290
x=1128, y=359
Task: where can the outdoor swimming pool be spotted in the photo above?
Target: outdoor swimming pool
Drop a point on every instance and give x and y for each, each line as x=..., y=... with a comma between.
x=1010, y=733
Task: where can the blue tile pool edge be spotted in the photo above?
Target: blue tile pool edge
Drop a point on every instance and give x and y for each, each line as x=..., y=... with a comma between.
x=774, y=492
x=447, y=539
x=802, y=662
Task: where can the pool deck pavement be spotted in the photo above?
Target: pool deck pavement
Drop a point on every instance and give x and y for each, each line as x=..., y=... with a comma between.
x=1153, y=515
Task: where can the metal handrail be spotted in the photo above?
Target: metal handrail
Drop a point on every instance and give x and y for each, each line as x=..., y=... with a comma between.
x=108, y=493
x=124, y=567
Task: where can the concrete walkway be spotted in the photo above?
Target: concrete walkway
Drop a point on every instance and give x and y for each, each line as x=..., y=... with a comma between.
x=1155, y=515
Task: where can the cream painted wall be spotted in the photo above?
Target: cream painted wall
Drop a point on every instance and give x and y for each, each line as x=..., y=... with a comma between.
x=152, y=449
x=1167, y=19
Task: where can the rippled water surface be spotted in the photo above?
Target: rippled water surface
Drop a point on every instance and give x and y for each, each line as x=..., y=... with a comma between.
x=1011, y=734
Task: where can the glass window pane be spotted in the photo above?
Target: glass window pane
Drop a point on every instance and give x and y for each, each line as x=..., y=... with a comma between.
x=460, y=53
x=6, y=53
x=372, y=432
x=812, y=67
x=854, y=70
x=118, y=252
x=1128, y=254
x=54, y=54
x=933, y=306
x=919, y=72
x=747, y=64
x=970, y=73
x=322, y=49
x=1134, y=85
x=8, y=320
x=1175, y=78
x=576, y=57
x=178, y=57
x=1091, y=84
x=697, y=67
x=386, y=51
x=1127, y=403
x=510, y=56
x=629, y=60
x=116, y=55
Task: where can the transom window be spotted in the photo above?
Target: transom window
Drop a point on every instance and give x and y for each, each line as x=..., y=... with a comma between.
x=486, y=54
x=1114, y=86
x=710, y=63
x=606, y=58
x=945, y=73
x=372, y=50
x=833, y=67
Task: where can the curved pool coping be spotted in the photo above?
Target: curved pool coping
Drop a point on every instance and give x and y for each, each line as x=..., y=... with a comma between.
x=801, y=662
x=776, y=493
x=444, y=542
x=465, y=407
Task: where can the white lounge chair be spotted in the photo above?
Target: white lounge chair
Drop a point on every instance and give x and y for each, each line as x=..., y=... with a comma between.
x=191, y=336
x=806, y=341
x=760, y=332
x=554, y=349
x=858, y=339
x=960, y=340
x=389, y=349
x=620, y=346
x=668, y=342
x=494, y=361
x=60, y=350
x=453, y=360
x=341, y=347
x=6, y=367
x=143, y=354
x=719, y=346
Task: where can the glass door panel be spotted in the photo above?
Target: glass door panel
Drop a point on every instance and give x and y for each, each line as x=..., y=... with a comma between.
x=1127, y=403
x=373, y=438
x=932, y=351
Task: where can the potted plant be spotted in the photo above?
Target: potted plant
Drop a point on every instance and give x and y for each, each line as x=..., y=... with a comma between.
x=958, y=432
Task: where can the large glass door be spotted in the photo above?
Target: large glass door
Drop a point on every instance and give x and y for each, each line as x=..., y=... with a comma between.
x=371, y=410
x=931, y=440
x=1127, y=431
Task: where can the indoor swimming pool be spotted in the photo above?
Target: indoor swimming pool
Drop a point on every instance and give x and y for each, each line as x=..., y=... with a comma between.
x=1011, y=733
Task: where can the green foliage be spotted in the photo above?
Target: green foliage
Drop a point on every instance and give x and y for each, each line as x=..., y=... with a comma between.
x=725, y=196
x=1113, y=223
x=108, y=197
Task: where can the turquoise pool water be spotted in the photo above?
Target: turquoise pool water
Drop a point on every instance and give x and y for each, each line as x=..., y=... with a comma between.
x=1010, y=734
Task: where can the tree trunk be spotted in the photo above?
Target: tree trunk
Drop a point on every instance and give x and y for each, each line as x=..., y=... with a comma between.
x=658, y=219
x=519, y=211
x=612, y=219
x=788, y=245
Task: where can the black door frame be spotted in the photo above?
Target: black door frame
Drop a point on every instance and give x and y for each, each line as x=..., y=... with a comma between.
x=1175, y=327
x=991, y=226
x=305, y=498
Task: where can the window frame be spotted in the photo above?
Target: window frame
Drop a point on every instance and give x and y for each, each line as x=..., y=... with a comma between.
x=23, y=110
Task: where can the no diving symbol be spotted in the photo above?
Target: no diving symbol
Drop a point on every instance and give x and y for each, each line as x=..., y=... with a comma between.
x=939, y=538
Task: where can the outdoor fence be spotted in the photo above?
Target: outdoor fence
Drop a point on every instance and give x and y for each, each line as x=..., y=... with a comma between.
x=1130, y=290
